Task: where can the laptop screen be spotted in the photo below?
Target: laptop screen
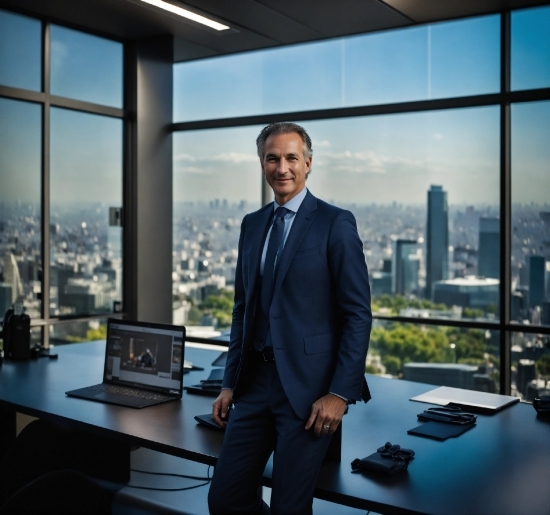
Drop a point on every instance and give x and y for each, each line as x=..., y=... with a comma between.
x=145, y=355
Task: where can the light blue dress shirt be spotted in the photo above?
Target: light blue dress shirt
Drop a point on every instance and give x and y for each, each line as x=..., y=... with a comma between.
x=292, y=205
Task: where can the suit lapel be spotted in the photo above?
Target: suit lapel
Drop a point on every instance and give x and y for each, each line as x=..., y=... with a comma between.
x=304, y=217
x=257, y=234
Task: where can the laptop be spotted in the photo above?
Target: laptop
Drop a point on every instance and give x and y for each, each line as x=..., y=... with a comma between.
x=478, y=402
x=143, y=365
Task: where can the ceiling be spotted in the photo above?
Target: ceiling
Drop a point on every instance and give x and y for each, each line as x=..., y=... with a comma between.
x=254, y=24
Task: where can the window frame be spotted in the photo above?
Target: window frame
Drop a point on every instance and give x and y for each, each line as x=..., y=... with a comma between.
x=46, y=100
x=503, y=99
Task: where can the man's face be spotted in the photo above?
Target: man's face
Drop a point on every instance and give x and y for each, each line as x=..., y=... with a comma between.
x=284, y=166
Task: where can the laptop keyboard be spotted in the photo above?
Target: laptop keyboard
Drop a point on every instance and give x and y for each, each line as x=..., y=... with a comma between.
x=130, y=392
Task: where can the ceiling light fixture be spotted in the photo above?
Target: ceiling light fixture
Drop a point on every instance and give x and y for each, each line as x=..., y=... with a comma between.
x=187, y=14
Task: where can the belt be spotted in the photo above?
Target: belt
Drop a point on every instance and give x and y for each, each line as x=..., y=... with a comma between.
x=265, y=356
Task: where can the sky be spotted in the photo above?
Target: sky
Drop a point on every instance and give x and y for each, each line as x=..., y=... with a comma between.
x=381, y=159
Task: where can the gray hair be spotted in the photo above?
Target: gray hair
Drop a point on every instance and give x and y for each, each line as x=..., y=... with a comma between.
x=283, y=128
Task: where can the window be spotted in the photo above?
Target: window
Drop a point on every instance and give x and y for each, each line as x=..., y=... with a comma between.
x=423, y=188
x=61, y=173
x=20, y=42
x=427, y=183
x=432, y=61
x=86, y=67
x=530, y=250
x=217, y=180
x=20, y=206
x=85, y=181
x=531, y=48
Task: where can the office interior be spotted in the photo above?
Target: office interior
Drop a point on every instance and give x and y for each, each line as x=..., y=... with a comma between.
x=127, y=162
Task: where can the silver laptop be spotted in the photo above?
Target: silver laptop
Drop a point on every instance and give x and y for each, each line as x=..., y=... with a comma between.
x=143, y=365
x=479, y=402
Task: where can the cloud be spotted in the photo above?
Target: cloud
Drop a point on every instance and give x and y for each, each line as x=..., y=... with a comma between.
x=211, y=165
x=234, y=157
x=368, y=162
x=321, y=144
x=438, y=136
x=192, y=169
x=184, y=157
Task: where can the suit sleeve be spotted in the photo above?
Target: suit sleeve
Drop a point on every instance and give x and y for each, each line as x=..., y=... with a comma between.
x=237, y=324
x=351, y=284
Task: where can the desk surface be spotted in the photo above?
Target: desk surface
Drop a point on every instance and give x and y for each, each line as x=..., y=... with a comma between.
x=500, y=467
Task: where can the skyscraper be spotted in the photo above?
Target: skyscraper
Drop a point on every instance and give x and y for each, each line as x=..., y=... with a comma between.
x=12, y=277
x=437, y=238
x=405, y=267
x=488, y=264
x=537, y=269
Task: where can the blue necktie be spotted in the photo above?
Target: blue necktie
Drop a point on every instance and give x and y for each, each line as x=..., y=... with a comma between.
x=273, y=247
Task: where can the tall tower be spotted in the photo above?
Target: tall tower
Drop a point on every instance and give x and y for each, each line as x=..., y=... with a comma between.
x=11, y=276
x=488, y=264
x=437, y=238
x=405, y=267
x=537, y=269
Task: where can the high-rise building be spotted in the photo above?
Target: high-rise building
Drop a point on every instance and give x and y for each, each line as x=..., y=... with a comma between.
x=537, y=269
x=468, y=292
x=488, y=264
x=5, y=299
x=405, y=266
x=380, y=283
x=437, y=238
x=12, y=277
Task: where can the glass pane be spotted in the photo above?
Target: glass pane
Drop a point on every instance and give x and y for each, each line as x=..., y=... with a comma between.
x=531, y=48
x=77, y=332
x=213, y=190
x=86, y=67
x=424, y=189
x=433, y=61
x=530, y=365
x=20, y=51
x=530, y=302
x=20, y=206
x=438, y=355
x=86, y=180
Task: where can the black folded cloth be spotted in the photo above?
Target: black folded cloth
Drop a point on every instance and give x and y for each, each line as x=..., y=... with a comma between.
x=542, y=405
x=389, y=459
x=447, y=415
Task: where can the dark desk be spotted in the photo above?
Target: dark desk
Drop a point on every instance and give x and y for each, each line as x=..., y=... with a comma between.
x=500, y=467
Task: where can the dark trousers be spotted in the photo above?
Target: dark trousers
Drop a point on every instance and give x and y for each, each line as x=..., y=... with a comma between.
x=263, y=422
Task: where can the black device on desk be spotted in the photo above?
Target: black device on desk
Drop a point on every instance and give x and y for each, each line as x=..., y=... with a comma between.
x=211, y=386
x=16, y=334
x=143, y=365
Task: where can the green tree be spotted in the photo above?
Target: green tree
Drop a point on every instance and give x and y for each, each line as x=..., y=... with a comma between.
x=220, y=306
x=408, y=342
x=396, y=303
x=399, y=344
x=91, y=335
x=543, y=366
x=194, y=315
x=470, y=344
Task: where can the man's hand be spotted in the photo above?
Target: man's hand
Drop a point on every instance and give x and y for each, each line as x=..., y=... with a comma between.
x=326, y=414
x=221, y=406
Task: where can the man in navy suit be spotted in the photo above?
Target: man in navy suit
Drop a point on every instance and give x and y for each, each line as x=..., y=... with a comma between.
x=299, y=337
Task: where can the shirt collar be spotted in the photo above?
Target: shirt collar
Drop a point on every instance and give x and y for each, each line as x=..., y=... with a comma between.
x=294, y=203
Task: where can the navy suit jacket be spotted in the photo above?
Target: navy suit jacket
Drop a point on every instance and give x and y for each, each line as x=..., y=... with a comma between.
x=320, y=317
